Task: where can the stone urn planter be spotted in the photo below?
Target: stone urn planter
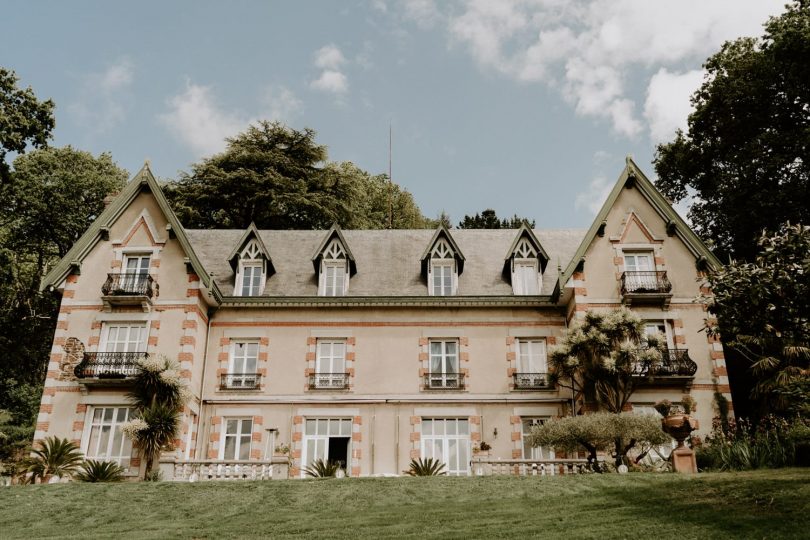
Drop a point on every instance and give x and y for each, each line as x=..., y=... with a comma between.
x=679, y=425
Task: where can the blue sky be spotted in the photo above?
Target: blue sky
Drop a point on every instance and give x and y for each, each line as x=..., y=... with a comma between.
x=525, y=106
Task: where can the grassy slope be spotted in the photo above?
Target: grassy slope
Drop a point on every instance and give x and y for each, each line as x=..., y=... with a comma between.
x=762, y=504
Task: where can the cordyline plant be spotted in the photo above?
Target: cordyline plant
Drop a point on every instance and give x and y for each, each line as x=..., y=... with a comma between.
x=604, y=355
x=158, y=396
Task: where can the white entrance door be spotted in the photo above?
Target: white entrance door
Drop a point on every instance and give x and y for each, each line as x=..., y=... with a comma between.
x=327, y=439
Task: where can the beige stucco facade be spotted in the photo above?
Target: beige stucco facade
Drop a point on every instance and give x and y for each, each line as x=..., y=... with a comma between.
x=380, y=414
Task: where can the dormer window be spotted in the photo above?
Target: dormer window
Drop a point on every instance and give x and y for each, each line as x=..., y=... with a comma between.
x=250, y=276
x=525, y=263
x=334, y=277
x=334, y=263
x=525, y=278
x=251, y=263
x=442, y=270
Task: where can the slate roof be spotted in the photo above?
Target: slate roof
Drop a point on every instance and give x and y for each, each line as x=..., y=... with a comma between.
x=388, y=261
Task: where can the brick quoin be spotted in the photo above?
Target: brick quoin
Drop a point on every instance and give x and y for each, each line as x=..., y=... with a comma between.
x=68, y=293
x=189, y=325
x=155, y=325
x=193, y=277
x=185, y=357
x=72, y=278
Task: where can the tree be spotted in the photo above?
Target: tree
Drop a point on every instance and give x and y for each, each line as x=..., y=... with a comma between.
x=745, y=155
x=158, y=396
x=601, y=431
x=764, y=307
x=488, y=219
x=24, y=120
x=604, y=355
x=279, y=178
x=53, y=457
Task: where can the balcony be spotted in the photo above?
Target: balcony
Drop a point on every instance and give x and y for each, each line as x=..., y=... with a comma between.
x=444, y=381
x=128, y=289
x=329, y=381
x=107, y=367
x=646, y=287
x=675, y=368
x=531, y=381
x=240, y=381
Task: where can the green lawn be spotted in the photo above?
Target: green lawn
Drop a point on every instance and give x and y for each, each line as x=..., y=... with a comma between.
x=761, y=504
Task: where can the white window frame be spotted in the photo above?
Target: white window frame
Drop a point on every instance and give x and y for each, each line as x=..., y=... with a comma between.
x=105, y=344
x=247, y=376
x=648, y=254
x=538, y=453
x=519, y=284
x=253, y=264
x=536, y=353
x=444, y=378
x=330, y=353
x=137, y=256
x=668, y=332
x=124, y=456
x=441, y=256
x=318, y=443
x=334, y=258
x=431, y=441
x=238, y=437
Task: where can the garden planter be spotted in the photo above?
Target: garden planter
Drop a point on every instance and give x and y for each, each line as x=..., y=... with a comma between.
x=679, y=426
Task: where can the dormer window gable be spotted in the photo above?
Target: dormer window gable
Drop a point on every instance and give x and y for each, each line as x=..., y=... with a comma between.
x=252, y=265
x=334, y=264
x=525, y=263
x=442, y=263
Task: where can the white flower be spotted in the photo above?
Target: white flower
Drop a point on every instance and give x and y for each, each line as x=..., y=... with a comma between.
x=152, y=364
x=170, y=377
x=133, y=428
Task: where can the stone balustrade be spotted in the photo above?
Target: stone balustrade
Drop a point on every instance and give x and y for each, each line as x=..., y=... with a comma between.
x=203, y=470
x=486, y=466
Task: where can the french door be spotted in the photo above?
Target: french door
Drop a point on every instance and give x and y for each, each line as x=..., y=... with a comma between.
x=447, y=440
x=327, y=439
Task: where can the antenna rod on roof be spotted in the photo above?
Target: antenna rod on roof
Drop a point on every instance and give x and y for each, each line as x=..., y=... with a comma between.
x=390, y=181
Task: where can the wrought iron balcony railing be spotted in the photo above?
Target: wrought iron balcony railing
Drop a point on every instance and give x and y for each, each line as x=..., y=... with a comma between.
x=645, y=283
x=674, y=363
x=108, y=365
x=444, y=381
x=531, y=381
x=329, y=381
x=129, y=284
x=240, y=381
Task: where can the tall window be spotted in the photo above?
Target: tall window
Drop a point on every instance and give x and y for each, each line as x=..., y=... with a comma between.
x=237, y=439
x=639, y=272
x=442, y=271
x=447, y=440
x=105, y=440
x=328, y=439
x=532, y=356
x=525, y=279
x=334, y=278
x=251, y=282
x=529, y=451
x=242, y=371
x=330, y=364
x=638, y=262
x=444, y=371
x=124, y=338
x=662, y=328
x=136, y=271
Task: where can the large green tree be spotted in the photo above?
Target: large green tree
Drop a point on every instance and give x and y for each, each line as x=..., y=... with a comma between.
x=24, y=120
x=280, y=178
x=764, y=307
x=745, y=154
x=488, y=219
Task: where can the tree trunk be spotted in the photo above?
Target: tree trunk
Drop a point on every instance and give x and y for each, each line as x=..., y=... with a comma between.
x=150, y=460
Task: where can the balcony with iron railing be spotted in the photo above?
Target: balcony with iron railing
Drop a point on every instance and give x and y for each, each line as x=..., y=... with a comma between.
x=531, y=381
x=108, y=367
x=444, y=381
x=645, y=287
x=129, y=288
x=240, y=381
x=675, y=366
x=329, y=381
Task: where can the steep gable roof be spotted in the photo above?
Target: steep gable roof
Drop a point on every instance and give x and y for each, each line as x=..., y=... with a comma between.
x=334, y=231
x=143, y=180
x=526, y=231
x=442, y=232
x=632, y=176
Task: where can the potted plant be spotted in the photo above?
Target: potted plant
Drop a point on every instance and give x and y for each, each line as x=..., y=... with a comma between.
x=677, y=421
x=281, y=449
x=482, y=449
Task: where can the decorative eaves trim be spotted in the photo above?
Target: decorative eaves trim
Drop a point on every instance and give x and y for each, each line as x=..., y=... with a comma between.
x=251, y=232
x=394, y=301
x=441, y=230
x=333, y=231
x=529, y=233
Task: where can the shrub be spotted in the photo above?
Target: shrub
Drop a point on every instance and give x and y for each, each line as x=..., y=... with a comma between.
x=53, y=457
x=322, y=469
x=426, y=467
x=100, y=471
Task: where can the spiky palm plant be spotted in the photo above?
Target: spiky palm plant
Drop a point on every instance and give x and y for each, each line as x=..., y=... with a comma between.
x=322, y=469
x=100, y=471
x=158, y=396
x=53, y=457
x=426, y=467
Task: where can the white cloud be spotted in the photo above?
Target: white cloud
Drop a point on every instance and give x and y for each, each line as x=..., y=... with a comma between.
x=588, y=49
x=595, y=194
x=329, y=59
x=423, y=12
x=105, y=97
x=195, y=119
x=280, y=103
x=667, y=106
